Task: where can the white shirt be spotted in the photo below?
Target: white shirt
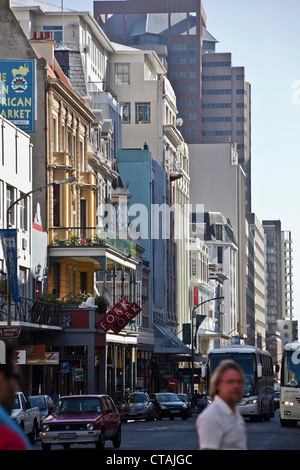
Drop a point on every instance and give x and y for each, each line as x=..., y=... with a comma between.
x=219, y=427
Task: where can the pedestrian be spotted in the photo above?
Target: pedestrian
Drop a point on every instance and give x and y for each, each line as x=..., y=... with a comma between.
x=220, y=426
x=11, y=434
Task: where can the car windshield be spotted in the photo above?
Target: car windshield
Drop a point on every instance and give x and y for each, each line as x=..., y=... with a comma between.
x=75, y=405
x=167, y=397
x=246, y=361
x=16, y=404
x=182, y=397
x=137, y=398
x=40, y=402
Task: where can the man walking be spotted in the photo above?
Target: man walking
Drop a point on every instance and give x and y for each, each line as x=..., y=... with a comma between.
x=220, y=426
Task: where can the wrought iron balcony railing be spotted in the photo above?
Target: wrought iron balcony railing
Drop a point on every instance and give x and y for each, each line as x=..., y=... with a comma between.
x=31, y=311
x=89, y=237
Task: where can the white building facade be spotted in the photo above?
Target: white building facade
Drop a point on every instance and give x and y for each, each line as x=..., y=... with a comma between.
x=15, y=181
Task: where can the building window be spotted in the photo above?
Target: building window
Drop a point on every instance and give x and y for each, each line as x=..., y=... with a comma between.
x=220, y=255
x=217, y=119
x=56, y=33
x=193, y=53
x=122, y=74
x=142, y=113
x=23, y=204
x=215, y=78
x=126, y=116
x=56, y=205
x=216, y=105
x=217, y=64
x=178, y=54
x=217, y=92
x=241, y=92
x=9, y=200
x=216, y=133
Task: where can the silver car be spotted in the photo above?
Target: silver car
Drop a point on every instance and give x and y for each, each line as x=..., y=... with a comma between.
x=44, y=403
x=139, y=406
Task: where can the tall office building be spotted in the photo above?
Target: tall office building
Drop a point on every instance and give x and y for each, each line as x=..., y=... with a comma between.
x=275, y=289
x=213, y=98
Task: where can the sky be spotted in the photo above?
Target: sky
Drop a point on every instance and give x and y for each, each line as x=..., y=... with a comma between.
x=264, y=37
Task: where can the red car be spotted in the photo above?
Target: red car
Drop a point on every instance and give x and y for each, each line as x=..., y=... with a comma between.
x=82, y=419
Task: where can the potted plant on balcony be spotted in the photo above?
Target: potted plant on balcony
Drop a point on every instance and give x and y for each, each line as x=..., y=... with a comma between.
x=74, y=239
x=101, y=303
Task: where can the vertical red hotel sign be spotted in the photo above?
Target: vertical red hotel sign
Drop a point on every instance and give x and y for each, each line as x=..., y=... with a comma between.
x=119, y=315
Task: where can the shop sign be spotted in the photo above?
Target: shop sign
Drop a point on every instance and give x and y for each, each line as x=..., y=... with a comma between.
x=133, y=310
x=17, y=92
x=78, y=375
x=113, y=314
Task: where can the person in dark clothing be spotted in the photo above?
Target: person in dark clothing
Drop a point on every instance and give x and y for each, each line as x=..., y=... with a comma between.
x=11, y=435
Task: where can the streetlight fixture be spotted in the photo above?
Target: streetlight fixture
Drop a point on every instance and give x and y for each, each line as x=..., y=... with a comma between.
x=63, y=181
x=193, y=353
x=238, y=327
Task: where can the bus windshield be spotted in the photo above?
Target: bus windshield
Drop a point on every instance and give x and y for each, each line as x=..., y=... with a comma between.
x=246, y=361
x=290, y=371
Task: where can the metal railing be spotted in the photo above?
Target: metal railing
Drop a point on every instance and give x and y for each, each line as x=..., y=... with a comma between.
x=31, y=311
x=91, y=237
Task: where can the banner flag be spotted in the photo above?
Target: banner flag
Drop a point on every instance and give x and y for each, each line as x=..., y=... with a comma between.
x=9, y=245
x=199, y=320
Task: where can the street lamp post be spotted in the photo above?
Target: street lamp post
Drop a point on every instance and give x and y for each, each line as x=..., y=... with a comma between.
x=63, y=181
x=193, y=352
x=238, y=328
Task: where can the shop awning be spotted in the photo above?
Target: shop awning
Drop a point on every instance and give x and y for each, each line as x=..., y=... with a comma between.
x=202, y=332
x=172, y=344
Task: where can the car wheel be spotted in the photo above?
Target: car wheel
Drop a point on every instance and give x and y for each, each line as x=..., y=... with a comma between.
x=34, y=434
x=100, y=444
x=117, y=439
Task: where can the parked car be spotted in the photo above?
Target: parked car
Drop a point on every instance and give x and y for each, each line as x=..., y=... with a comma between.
x=27, y=416
x=44, y=403
x=82, y=419
x=276, y=400
x=137, y=405
x=168, y=405
x=183, y=397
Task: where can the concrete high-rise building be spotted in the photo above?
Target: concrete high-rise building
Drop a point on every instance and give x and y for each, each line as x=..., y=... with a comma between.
x=275, y=308
x=279, y=286
x=259, y=288
x=213, y=98
x=222, y=190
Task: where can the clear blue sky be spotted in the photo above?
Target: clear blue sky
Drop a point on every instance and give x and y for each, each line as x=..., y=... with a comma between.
x=264, y=37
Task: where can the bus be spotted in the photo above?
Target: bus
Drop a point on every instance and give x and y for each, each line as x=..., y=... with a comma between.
x=289, y=408
x=258, y=397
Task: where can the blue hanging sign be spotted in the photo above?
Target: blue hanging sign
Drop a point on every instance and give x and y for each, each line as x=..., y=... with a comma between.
x=9, y=245
x=17, y=92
